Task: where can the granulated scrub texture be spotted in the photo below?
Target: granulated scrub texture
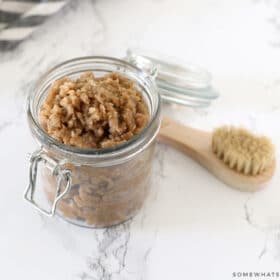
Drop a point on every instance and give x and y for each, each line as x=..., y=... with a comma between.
x=104, y=196
x=94, y=112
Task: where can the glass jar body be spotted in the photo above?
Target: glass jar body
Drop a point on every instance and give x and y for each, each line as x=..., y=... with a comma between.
x=94, y=188
x=103, y=196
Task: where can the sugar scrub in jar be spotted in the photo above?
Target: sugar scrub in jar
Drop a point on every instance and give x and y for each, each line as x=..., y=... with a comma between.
x=96, y=119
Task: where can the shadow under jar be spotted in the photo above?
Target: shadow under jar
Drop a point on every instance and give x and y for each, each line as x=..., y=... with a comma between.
x=93, y=187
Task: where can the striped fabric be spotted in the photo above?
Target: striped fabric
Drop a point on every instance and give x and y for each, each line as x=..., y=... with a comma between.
x=18, y=19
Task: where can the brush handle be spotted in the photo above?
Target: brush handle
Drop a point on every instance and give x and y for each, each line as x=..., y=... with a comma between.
x=193, y=142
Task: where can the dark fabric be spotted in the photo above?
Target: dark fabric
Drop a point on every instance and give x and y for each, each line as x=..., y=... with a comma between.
x=8, y=17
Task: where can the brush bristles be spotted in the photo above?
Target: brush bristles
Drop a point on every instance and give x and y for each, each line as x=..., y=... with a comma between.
x=242, y=151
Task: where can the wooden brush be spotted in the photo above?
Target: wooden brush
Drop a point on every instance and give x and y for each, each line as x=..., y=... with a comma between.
x=234, y=155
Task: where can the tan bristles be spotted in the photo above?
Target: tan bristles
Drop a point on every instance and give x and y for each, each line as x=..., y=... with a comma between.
x=242, y=150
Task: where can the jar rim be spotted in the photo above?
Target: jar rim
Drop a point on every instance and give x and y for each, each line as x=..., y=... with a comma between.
x=131, y=146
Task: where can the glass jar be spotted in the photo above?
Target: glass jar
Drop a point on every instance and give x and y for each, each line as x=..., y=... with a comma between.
x=94, y=187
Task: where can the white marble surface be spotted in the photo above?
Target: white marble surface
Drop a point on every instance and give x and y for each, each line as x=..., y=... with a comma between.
x=193, y=226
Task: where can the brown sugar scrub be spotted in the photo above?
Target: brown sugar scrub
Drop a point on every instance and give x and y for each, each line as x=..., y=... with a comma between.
x=96, y=113
x=92, y=112
x=104, y=196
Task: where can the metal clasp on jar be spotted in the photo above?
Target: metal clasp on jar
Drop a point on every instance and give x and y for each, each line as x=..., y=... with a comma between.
x=56, y=167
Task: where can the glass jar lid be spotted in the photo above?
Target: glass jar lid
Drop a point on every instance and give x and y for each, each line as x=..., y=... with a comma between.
x=178, y=82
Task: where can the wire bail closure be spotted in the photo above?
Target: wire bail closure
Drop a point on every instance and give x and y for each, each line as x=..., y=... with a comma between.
x=57, y=171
